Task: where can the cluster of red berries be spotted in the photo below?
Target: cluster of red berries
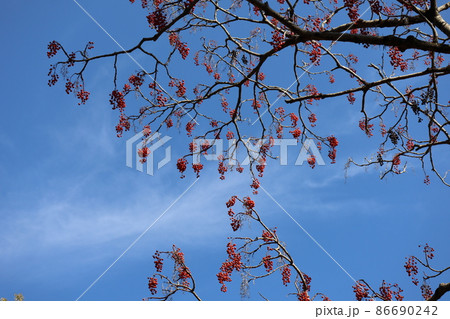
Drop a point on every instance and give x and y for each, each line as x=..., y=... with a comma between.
x=152, y=285
x=69, y=86
x=158, y=261
x=232, y=263
x=366, y=127
x=315, y=23
x=279, y=131
x=352, y=8
x=361, y=291
x=71, y=60
x=214, y=123
x=208, y=67
x=286, y=275
x=169, y=122
x=303, y=296
x=268, y=263
x=248, y=204
x=375, y=6
x=396, y=160
x=312, y=118
x=316, y=53
x=117, y=100
x=294, y=118
x=332, y=79
x=311, y=161
x=231, y=78
x=268, y=236
x=156, y=91
x=411, y=269
x=136, y=80
x=205, y=146
x=397, y=59
x=229, y=135
x=351, y=97
x=383, y=129
x=189, y=128
x=181, y=166
x=192, y=147
x=277, y=40
x=179, y=84
x=231, y=202
x=353, y=58
x=260, y=167
x=421, y=3
x=223, y=277
x=146, y=130
x=124, y=124
x=224, y=104
x=256, y=104
x=143, y=153
x=296, y=133
x=180, y=267
x=333, y=143
x=53, y=48
x=428, y=251
x=255, y=185
x=222, y=169
x=197, y=168
x=90, y=45
x=440, y=59
x=307, y=284
x=235, y=222
x=332, y=155
x=157, y=20
x=312, y=92
x=389, y=291
x=83, y=96
x=410, y=145
x=182, y=47
x=256, y=11
x=427, y=293
x=54, y=77
x=161, y=100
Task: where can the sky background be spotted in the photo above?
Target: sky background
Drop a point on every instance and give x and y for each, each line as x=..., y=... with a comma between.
x=69, y=206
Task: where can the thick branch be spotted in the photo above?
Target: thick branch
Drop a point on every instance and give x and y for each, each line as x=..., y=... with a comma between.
x=303, y=35
x=380, y=23
x=391, y=22
x=409, y=43
x=440, y=291
x=441, y=23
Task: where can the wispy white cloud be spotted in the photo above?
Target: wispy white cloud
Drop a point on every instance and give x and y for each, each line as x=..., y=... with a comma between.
x=77, y=220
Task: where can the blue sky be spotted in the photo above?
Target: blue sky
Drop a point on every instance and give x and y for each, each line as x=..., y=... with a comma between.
x=70, y=206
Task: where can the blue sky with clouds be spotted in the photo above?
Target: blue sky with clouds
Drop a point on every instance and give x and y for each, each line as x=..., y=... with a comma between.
x=69, y=206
